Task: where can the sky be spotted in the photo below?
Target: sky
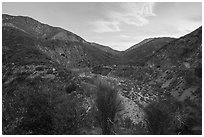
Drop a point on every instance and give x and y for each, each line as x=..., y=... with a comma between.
x=115, y=24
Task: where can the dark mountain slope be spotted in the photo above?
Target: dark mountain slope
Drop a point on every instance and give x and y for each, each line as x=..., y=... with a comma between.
x=37, y=29
x=19, y=48
x=139, y=44
x=140, y=52
x=62, y=46
x=180, y=50
x=36, y=88
x=73, y=51
x=106, y=49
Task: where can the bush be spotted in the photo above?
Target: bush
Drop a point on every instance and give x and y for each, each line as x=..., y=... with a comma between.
x=163, y=117
x=27, y=112
x=66, y=118
x=198, y=71
x=40, y=107
x=133, y=128
x=108, y=104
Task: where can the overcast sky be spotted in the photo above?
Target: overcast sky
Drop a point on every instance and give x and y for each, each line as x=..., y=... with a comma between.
x=118, y=25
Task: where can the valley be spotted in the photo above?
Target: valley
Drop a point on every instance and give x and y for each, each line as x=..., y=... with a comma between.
x=51, y=79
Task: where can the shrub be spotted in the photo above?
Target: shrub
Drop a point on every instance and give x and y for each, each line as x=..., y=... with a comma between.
x=198, y=71
x=40, y=107
x=66, y=117
x=163, y=117
x=133, y=128
x=108, y=104
x=27, y=111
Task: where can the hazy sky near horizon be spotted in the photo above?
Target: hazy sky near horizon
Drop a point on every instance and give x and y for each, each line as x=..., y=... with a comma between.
x=115, y=24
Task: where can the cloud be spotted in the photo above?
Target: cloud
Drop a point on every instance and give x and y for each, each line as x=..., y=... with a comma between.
x=106, y=26
x=124, y=36
x=130, y=14
x=187, y=27
x=197, y=18
x=136, y=13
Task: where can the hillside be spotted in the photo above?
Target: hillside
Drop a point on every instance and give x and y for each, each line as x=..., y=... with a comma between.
x=139, y=44
x=37, y=29
x=60, y=45
x=174, y=71
x=106, y=49
x=140, y=52
x=72, y=50
x=186, y=49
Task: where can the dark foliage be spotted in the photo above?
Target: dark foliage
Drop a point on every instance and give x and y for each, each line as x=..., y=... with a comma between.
x=162, y=117
x=108, y=104
x=71, y=87
x=170, y=117
x=198, y=71
x=37, y=106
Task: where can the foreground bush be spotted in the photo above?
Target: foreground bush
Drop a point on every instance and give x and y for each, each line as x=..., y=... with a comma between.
x=164, y=117
x=39, y=107
x=108, y=104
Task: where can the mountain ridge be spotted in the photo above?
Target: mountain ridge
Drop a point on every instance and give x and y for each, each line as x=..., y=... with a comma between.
x=177, y=49
x=72, y=50
x=7, y=17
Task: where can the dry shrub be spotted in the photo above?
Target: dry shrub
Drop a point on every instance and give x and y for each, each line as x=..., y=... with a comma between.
x=108, y=104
